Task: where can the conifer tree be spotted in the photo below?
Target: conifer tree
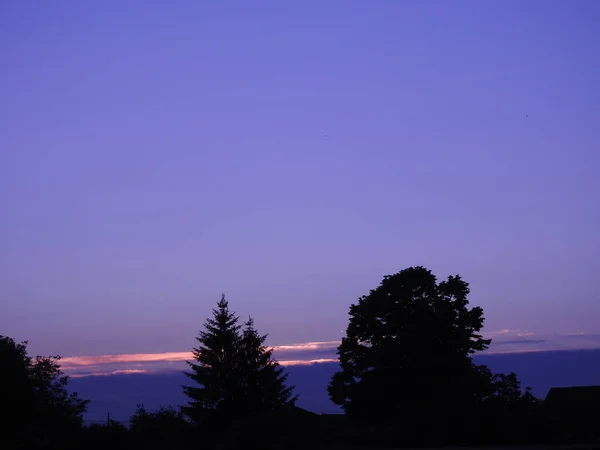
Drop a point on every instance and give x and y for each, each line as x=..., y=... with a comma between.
x=235, y=372
x=263, y=381
x=215, y=367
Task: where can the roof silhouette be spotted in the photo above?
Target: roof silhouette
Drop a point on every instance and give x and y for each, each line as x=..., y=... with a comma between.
x=579, y=397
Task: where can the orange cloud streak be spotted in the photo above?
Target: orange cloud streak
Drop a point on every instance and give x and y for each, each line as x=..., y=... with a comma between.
x=297, y=362
x=75, y=362
x=72, y=362
x=82, y=361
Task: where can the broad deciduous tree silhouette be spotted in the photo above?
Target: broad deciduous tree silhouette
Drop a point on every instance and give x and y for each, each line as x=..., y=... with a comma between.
x=408, y=349
x=38, y=409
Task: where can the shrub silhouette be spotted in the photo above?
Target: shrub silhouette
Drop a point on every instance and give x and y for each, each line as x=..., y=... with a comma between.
x=165, y=427
x=112, y=435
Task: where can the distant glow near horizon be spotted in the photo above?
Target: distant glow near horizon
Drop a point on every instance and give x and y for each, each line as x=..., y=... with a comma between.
x=504, y=341
x=291, y=155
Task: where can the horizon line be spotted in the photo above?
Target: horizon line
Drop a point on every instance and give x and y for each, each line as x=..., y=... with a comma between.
x=287, y=363
x=314, y=352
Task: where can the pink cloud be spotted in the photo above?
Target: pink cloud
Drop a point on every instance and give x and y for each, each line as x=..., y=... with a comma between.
x=72, y=362
x=102, y=370
x=308, y=353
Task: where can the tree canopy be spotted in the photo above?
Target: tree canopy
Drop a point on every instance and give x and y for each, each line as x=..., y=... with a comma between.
x=408, y=347
x=36, y=404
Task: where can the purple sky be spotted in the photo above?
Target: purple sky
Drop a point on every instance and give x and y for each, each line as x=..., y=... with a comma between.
x=155, y=154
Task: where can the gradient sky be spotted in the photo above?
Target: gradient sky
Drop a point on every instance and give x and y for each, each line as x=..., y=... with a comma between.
x=154, y=154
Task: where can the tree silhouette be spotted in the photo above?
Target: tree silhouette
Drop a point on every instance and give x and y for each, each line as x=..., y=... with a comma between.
x=507, y=413
x=407, y=350
x=112, y=435
x=263, y=381
x=215, y=368
x=38, y=409
x=163, y=428
x=236, y=373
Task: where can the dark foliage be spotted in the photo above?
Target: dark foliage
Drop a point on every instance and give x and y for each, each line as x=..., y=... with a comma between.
x=406, y=364
x=215, y=362
x=408, y=347
x=407, y=379
x=38, y=412
x=164, y=428
x=112, y=435
x=235, y=373
x=262, y=379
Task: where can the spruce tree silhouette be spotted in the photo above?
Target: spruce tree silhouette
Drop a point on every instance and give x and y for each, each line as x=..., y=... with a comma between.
x=265, y=400
x=215, y=370
x=263, y=379
x=236, y=373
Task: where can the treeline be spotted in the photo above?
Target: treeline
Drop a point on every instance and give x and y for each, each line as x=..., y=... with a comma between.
x=406, y=379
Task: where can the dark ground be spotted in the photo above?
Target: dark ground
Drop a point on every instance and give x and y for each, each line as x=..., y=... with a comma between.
x=119, y=394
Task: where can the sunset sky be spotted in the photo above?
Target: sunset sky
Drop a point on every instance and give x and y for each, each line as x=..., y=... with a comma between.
x=155, y=154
